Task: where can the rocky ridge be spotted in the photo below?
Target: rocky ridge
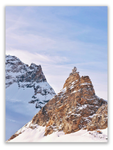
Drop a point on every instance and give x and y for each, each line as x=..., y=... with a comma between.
x=26, y=76
x=75, y=107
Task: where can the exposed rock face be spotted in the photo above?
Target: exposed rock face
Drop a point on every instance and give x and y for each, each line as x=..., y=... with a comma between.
x=28, y=77
x=100, y=119
x=17, y=71
x=72, y=108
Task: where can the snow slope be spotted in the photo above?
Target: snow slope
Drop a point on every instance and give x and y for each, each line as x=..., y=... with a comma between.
x=37, y=135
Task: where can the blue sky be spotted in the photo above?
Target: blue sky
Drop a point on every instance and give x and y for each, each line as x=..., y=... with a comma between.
x=60, y=38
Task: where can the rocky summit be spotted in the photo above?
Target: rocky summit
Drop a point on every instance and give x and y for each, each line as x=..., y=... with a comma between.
x=75, y=107
x=17, y=71
x=71, y=109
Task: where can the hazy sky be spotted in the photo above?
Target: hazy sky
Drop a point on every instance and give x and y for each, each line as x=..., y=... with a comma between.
x=59, y=38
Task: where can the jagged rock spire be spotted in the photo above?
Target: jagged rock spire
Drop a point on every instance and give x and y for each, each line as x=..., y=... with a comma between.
x=74, y=70
x=72, y=108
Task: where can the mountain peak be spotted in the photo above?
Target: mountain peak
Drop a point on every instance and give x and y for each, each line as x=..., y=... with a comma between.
x=26, y=76
x=72, y=108
x=74, y=83
x=12, y=59
x=26, y=89
x=17, y=71
x=34, y=66
x=74, y=70
x=9, y=57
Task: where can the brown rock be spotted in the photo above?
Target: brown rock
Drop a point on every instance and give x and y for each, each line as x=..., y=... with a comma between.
x=72, y=108
x=13, y=136
x=100, y=120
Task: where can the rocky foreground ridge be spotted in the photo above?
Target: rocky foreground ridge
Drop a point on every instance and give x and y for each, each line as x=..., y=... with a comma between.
x=75, y=107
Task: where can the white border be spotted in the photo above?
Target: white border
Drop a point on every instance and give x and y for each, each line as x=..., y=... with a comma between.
x=79, y=146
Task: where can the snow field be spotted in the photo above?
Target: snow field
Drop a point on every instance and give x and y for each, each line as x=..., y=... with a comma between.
x=37, y=135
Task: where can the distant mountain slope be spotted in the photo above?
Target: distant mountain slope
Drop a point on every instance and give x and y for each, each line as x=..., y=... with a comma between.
x=76, y=107
x=27, y=91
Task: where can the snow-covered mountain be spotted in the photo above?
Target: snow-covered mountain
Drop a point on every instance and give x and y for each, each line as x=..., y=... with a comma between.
x=75, y=110
x=36, y=133
x=27, y=91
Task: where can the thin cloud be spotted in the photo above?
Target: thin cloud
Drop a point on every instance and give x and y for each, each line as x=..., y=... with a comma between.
x=37, y=58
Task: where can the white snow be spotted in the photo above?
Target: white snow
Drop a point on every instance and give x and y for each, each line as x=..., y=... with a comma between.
x=85, y=83
x=72, y=86
x=82, y=107
x=17, y=98
x=20, y=94
x=17, y=102
x=76, y=91
x=63, y=90
x=37, y=135
x=73, y=82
